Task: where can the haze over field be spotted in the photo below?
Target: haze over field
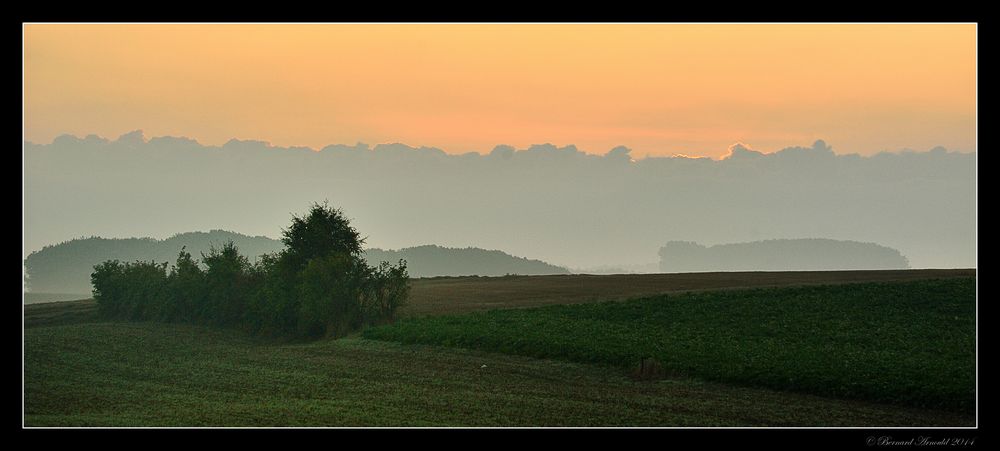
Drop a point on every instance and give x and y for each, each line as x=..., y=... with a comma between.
x=555, y=204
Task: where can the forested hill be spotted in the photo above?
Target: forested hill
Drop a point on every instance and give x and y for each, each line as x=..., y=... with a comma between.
x=66, y=267
x=779, y=255
x=430, y=260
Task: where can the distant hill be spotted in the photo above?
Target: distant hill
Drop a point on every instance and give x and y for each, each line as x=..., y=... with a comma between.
x=812, y=254
x=66, y=267
x=430, y=261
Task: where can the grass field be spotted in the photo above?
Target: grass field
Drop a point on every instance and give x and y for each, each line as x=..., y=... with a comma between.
x=60, y=313
x=147, y=374
x=903, y=342
x=82, y=371
x=39, y=298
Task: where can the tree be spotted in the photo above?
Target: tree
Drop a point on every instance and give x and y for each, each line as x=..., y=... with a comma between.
x=108, y=280
x=187, y=288
x=131, y=290
x=384, y=289
x=329, y=291
x=323, y=231
x=227, y=285
x=335, y=290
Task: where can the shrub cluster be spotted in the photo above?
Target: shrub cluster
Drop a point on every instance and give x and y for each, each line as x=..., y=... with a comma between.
x=319, y=285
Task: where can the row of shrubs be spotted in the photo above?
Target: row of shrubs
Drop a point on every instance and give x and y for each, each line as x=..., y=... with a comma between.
x=319, y=285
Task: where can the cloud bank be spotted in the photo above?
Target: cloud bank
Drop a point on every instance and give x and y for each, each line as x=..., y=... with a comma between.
x=554, y=203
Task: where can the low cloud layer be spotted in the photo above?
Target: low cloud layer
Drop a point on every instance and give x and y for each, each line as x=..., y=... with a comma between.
x=553, y=203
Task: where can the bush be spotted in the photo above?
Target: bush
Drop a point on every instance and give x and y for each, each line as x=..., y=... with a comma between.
x=385, y=289
x=186, y=288
x=108, y=279
x=318, y=286
x=273, y=308
x=329, y=289
x=135, y=291
x=227, y=286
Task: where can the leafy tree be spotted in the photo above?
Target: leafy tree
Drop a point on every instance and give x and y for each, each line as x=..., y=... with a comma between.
x=384, y=290
x=108, y=279
x=226, y=284
x=329, y=289
x=321, y=232
x=133, y=290
x=186, y=287
x=273, y=307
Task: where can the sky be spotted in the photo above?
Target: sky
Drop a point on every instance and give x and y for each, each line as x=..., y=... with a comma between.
x=659, y=89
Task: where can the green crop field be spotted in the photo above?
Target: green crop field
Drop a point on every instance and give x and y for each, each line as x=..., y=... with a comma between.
x=82, y=370
x=898, y=342
x=149, y=374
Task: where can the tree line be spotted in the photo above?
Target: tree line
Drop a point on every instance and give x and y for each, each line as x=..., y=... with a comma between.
x=318, y=285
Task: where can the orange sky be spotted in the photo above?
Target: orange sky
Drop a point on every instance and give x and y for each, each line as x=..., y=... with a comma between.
x=660, y=89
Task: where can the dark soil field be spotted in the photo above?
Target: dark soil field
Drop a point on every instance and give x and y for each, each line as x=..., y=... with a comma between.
x=446, y=295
